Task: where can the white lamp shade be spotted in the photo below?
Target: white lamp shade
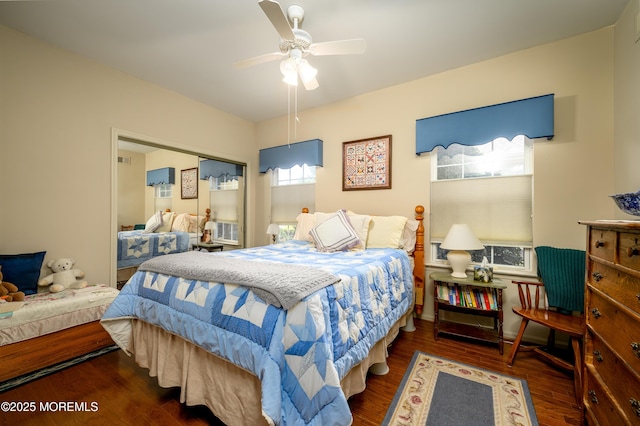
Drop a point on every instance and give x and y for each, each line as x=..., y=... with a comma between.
x=273, y=229
x=461, y=237
x=209, y=226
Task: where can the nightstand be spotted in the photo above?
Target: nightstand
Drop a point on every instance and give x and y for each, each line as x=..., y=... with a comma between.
x=208, y=246
x=467, y=296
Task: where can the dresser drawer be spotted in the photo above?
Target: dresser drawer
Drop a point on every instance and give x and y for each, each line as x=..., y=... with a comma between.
x=619, y=328
x=602, y=243
x=602, y=407
x=618, y=285
x=623, y=384
x=629, y=250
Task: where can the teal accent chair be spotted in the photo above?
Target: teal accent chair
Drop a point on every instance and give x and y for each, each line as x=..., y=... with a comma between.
x=556, y=302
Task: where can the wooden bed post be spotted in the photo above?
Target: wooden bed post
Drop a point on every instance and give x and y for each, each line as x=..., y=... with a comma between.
x=418, y=259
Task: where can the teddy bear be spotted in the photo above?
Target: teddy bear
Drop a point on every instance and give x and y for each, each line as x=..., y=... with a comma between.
x=8, y=291
x=64, y=276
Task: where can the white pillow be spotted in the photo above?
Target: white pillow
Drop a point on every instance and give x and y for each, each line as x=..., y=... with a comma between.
x=167, y=222
x=385, y=231
x=306, y=221
x=335, y=233
x=408, y=240
x=181, y=223
x=153, y=223
x=360, y=223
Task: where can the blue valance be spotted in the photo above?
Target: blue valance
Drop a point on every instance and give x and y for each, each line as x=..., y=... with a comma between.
x=164, y=176
x=532, y=117
x=287, y=156
x=219, y=169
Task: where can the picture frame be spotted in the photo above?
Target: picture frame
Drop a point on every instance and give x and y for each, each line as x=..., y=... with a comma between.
x=366, y=164
x=189, y=183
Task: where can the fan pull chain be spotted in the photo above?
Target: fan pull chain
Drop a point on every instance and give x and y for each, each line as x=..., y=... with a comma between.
x=289, y=116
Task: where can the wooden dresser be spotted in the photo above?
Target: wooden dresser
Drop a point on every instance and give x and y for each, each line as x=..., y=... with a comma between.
x=612, y=312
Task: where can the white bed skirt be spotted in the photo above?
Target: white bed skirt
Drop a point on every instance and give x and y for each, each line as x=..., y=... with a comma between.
x=231, y=393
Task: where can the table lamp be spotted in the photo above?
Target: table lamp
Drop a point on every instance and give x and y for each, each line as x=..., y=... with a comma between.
x=459, y=239
x=273, y=230
x=209, y=227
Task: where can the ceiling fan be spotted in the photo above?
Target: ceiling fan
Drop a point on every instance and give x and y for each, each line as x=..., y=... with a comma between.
x=296, y=44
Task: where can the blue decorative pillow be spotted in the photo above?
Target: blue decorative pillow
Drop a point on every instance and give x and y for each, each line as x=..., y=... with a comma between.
x=23, y=270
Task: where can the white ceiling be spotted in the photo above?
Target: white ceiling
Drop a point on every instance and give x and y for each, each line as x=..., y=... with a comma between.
x=189, y=46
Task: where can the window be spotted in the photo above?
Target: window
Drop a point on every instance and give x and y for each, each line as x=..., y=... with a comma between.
x=291, y=190
x=224, y=201
x=162, y=199
x=163, y=190
x=296, y=175
x=226, y=232
x=489, y=187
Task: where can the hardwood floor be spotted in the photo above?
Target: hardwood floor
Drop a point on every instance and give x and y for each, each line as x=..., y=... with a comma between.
x=123, y=393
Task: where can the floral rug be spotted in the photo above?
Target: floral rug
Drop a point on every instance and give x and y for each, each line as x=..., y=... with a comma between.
x=437, y=391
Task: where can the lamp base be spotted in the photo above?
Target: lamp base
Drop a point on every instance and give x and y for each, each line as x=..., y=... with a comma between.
x=459, y=260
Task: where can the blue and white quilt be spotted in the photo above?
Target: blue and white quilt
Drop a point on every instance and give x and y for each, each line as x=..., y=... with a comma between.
x=135, y=247
x=300, y=354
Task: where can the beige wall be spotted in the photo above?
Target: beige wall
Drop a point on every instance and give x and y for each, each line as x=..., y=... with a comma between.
x=131, y=189
x=573, y=172
x=59, y=113
x=627, y=104
x=56, y=104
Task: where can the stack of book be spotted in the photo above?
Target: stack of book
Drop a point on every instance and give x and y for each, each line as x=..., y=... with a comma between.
x=468, y=296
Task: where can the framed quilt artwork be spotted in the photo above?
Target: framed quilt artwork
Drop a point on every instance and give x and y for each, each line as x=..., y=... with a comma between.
x=366, y=164
x=189, y=183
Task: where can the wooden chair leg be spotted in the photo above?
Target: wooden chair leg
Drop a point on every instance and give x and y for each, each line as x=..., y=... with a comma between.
x=577, y=369
x=516, y=342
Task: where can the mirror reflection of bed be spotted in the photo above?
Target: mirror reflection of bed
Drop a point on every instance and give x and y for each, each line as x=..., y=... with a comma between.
x=217, y=203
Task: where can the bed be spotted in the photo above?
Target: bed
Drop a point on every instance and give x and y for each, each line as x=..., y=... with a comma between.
x=49, y=328
x=164, y=233
x=292, y=333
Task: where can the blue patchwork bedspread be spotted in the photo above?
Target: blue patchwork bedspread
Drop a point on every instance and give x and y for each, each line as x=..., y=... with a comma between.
x=300, y=354
x=135, y=247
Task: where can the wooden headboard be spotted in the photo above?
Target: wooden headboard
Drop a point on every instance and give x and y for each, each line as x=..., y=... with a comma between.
x=207, y=213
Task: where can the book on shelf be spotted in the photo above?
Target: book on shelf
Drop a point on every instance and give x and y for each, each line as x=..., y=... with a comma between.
x=468, y=296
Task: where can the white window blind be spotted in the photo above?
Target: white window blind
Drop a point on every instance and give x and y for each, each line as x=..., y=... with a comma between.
x=287, y=201
x=224, y=205
x=498, y=209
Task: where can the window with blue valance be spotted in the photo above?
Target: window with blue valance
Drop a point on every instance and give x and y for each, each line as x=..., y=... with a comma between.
x=532, y=117
x=164, y=176
x=219, y=169
x=286, y=156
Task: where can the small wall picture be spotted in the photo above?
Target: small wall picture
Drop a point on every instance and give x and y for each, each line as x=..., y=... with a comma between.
x=366, y=164
x=189, y=183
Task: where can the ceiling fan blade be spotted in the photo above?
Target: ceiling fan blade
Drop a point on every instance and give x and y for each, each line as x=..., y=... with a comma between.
x=339, y=47
x=277, y=17
x=259, y=60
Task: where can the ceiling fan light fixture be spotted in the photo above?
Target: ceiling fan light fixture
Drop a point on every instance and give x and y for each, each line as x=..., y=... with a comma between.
x=291, y=79
x=289, y=70
x=307, y=72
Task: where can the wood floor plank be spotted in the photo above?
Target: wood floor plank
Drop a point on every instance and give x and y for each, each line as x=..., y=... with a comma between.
x=126, y=395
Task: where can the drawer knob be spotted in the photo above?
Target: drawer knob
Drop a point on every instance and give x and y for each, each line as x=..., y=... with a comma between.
x=632, y=251
x=599, y=244
x=638, y=297
x=635, y=347
x=597, y=276
x=598, y=356
x=593, y=397
x=596, y=313
x=635, y=405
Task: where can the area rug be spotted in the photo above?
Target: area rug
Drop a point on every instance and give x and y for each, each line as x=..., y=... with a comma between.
x=440, y=392
x=21, y=380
